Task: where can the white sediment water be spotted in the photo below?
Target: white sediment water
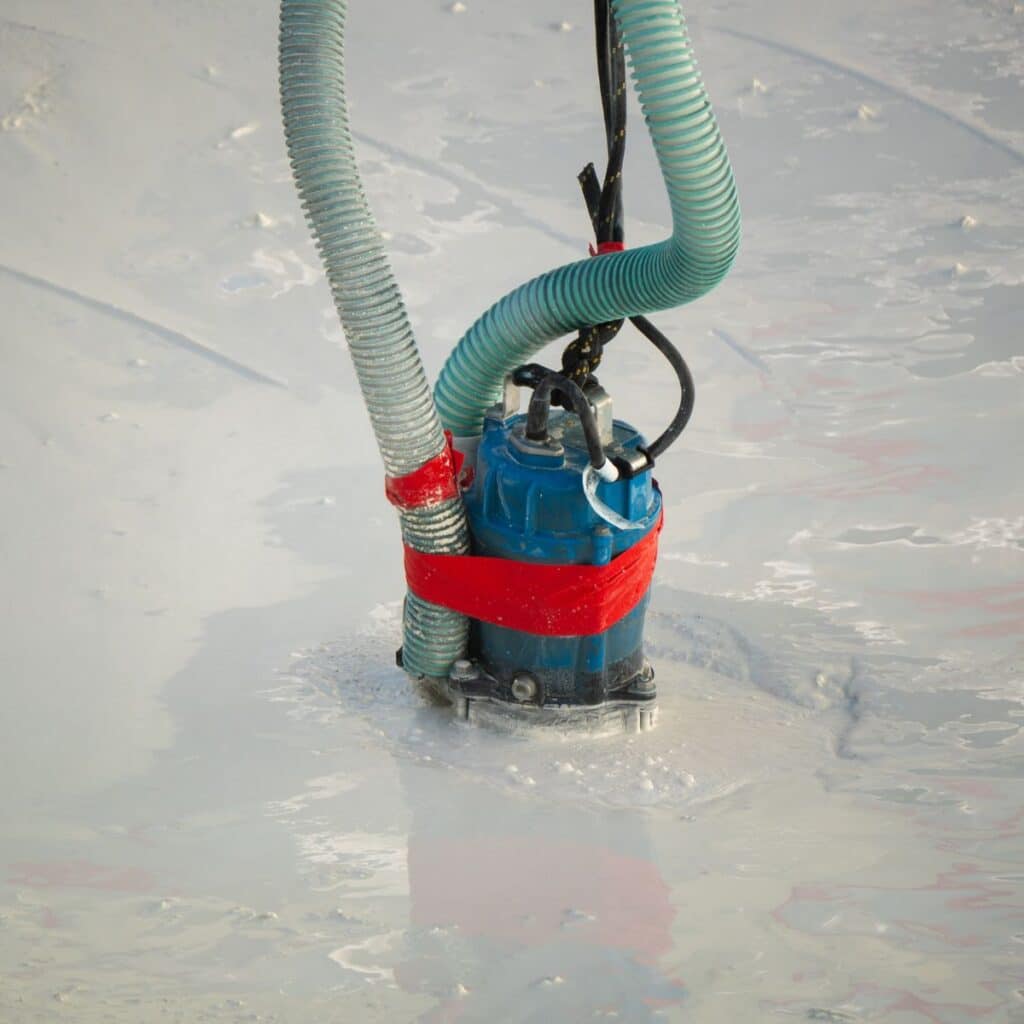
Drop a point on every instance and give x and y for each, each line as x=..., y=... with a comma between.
x=221, y=801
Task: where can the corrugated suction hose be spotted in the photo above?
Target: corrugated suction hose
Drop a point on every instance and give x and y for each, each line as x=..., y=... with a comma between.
x=376, y=325
x=695, y=257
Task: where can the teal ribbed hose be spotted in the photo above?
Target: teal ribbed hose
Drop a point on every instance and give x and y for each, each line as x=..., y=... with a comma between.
x=380, y=339
x=695, y=257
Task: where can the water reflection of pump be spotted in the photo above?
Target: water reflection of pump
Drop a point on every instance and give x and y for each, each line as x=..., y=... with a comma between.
x=524, y=912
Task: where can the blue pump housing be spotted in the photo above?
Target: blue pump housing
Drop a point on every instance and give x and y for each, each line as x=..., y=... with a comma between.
x=527, y=502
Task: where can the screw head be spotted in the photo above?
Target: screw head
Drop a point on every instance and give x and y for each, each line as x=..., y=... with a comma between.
x=463, y=671
x=524, y=687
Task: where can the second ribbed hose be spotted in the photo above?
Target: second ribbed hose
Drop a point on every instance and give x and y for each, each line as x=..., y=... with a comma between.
x=696, y=256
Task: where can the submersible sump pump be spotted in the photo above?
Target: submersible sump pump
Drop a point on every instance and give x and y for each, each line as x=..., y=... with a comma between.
x=530, y=538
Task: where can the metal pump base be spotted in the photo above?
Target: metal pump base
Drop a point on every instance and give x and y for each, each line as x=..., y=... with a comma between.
x=521, y=704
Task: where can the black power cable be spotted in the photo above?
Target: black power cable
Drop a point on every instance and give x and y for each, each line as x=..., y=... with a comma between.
x=611, y=74
x=686, y=388
x=604, y=204
x=603, y=199
x=544, y=382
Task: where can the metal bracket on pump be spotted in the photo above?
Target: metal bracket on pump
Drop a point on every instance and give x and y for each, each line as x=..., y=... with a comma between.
x=601, y=402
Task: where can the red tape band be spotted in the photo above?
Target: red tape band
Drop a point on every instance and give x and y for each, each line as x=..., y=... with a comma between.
x=545, y=600
x=434, y=482
x=603, y=248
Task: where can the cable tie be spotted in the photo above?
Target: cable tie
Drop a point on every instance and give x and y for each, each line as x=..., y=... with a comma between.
x=603, y=248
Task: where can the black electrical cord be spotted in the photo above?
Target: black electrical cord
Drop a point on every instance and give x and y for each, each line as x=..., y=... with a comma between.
x=686, y=388
x=603, y=199
x=544, y=382
x=611, y=74
x=604, y=204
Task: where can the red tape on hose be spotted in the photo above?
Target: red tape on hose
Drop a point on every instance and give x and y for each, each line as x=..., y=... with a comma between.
x=603, y=248
x=434, y=482
x=546, y=600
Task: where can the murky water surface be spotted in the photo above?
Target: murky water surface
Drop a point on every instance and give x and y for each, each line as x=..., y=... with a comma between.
x=221, y=801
